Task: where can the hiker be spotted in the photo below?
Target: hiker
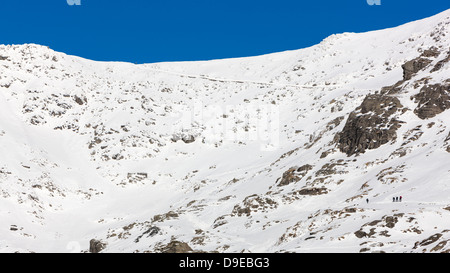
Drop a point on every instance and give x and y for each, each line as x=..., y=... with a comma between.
x=400, y=199
x=393, y=199
x=367, y=200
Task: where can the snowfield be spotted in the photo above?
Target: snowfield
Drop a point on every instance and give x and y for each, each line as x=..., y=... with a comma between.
x=298, y=151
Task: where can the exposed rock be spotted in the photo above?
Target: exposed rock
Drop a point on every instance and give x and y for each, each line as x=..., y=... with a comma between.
x=294, y=174
x=441, y=63
x=386, y=221
x=313, y=191
x=152, y=231
x=185, y=138
x=167, y=216
x=166, y=90
x=429, y=240
x=330, y=168
x=392, y=89
x=288, y=177
x=188, y=139
x=390, y=221
x=220, y=221
x=253, y=203
x=432, y=52
x=432, y=100
x=365, y=249
x=370, y=125
x=360, y=233
x=306, y=168
x=136, y=177
x=96, y=246
x=440, y=246
x=79, y=100
x=412, y=67
x=176, y=247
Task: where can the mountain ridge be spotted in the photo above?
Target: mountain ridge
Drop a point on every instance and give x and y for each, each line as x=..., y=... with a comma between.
x=274, y=153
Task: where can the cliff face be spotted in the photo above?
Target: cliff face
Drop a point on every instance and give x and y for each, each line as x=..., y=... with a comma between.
x=295, y=151
x=371, y=125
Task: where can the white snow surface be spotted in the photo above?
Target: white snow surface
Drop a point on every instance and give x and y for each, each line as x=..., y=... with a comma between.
x=108, y=150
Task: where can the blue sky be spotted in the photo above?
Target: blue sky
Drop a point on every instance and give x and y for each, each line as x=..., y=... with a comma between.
x=147, y=31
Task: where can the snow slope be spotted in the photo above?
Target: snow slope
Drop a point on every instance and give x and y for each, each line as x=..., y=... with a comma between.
x=226, y=155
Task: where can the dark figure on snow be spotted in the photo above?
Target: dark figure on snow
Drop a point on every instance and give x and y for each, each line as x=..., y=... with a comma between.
x=400, y=199
x=367, y=200
x=393, y=199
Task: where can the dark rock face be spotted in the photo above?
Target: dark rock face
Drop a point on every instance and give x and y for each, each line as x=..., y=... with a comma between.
x=370, y=125
x=360, y=234
x=432, y=100
x=412, y=67
x=95, y=246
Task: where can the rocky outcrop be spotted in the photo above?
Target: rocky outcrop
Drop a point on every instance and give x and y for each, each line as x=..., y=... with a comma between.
x=433, y=238
x=152, y=231
x=432, y=100
x=412, y=67
x=136, y=177
x=441, y=63
x=254, y=203
x=186, y=138
x=176, y=247
x=166, y=216
x=294, y=174
x=80, y=100
x=289, y=177
x=313, y=191
x=96, y=246
x=371, y=125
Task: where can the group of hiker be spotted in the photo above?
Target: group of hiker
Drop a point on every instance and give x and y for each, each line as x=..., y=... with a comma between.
x=394, y=199
x=397, y=199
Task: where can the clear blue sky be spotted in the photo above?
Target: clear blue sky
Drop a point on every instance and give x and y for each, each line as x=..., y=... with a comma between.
x=146, y=31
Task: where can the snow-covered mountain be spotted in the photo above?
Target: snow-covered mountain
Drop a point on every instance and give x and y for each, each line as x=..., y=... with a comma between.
x=298, y=151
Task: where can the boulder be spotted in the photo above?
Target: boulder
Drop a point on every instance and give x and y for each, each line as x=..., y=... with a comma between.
x=96, y=246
